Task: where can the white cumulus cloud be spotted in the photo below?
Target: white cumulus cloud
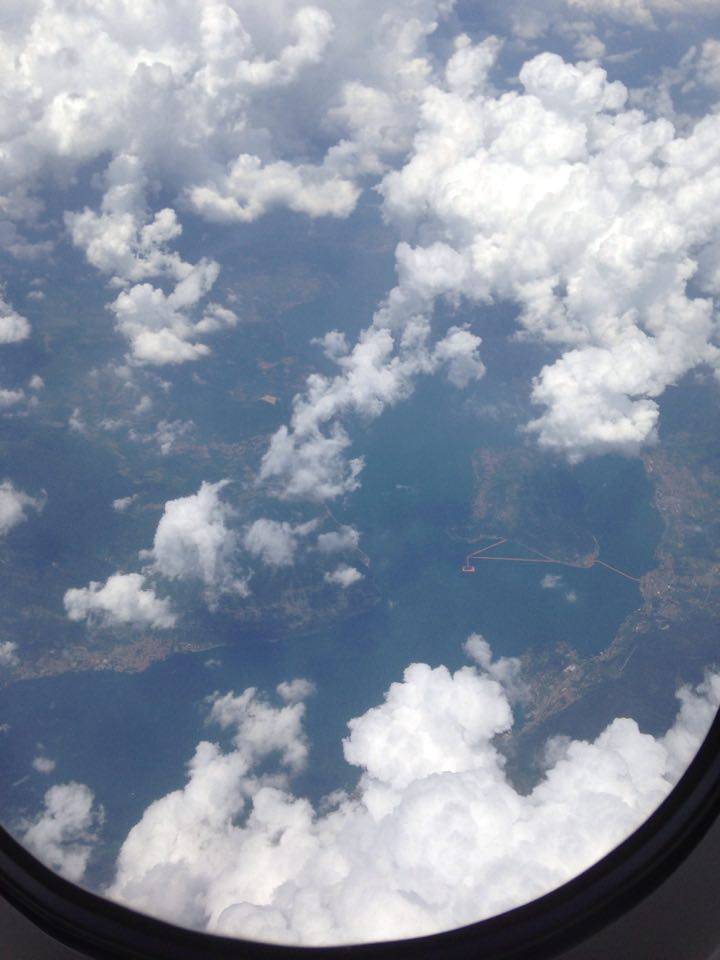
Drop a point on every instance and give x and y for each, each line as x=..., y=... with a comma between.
x=451, y=839
x=43, y=764
x=344, y=576
x=63, y=834
x=275, y=542
x=307, y=460
x=123, y=503
x=346, y=538
x=596, y=219
x=122, y=598
x=587, y=214
x=14, y=505
x=8, y=653
x=293, y=691
x=13, y=326
x=10, y=398
x=159, y=326
x=194, y=542
x=582, y=19
x=266, y=104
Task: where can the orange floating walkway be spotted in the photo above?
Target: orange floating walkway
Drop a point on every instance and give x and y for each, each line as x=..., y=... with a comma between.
x=477, y=555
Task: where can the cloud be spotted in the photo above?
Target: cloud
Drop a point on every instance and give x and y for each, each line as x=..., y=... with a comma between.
x=122, y=503
x=707, y=68
x=122, y=599
x=275, y=542
x=201, y=75
x=125, y=241
x=159, y=326
x=168, y=432
x=293, y=691
x=278, y=104
x=8, y=653
x=345, y=538
x=642, y=12
x=585, y=196
x=122, y=240
x=183, y=824
x=459, y=350
x=344, y=576
x=43, y=764
x=194, y=542
x=590, y=216
x=76, y=422
x=307, y=460
x=562, y=200
x=551, y=581
x=62, y=836
x=311, y=467
x=452, y=840
x=506, y=670
x=14, y=505
x=10, y=398
x=13, y=326
x=250, y=189
x=579, y=18
x=261, y=730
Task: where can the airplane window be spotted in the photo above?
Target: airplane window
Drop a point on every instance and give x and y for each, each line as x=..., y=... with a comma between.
x=359, y=476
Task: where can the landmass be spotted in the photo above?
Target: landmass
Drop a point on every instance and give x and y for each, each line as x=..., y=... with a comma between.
x=533, y=500
x=671, y=639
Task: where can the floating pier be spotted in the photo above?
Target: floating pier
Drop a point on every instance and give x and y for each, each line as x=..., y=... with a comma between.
x=482, y=554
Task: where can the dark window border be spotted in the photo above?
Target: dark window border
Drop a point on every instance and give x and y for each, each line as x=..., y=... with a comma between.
x=537, y=931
